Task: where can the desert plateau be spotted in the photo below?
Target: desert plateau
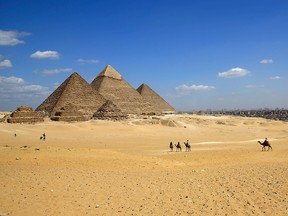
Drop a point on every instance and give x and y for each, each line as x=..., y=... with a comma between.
x=102, y=167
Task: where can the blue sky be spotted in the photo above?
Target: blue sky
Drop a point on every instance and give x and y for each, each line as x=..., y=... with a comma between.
x=197, y=54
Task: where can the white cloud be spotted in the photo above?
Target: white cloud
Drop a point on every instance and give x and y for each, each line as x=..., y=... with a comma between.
x=54, y=71
x=45, y=54
x=15, y=85
x=14, y=92
x=186, y=89
x=10, y=81
x=11, y=38
x=266, y=61
x=275, y=78
x=90, y=61
x=5, y=64
x=234, y=72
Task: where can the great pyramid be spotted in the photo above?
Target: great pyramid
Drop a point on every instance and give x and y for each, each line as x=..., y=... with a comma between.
x=73, y=100
x=159, y=103
x=113, y=87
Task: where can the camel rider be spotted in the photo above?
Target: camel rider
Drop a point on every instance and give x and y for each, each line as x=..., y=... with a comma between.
x=171, y=146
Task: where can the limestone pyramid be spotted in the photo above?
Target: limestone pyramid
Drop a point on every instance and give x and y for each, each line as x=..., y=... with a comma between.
x=158, y=102
x=73, y=100
x=113, y=87
x=25, y=114
x=109, y=111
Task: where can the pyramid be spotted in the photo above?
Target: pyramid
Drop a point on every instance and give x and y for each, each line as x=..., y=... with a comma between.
x=25, y=114
x=158, y=102
x=113, y=87
x=109, y=111
x=73, y=100
x=109, y=71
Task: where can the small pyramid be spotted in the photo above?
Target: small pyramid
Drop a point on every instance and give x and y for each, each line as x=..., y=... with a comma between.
x=113, y=87
x=73, y=99
x=25, y=114
x=158, y=102
x=109, y=111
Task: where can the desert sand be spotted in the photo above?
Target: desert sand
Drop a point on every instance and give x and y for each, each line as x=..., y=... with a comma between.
x=126, y=168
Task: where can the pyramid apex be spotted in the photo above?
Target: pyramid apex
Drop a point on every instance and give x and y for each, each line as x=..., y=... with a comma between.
x=109, y=71
x=142, y=87
x=75, y=74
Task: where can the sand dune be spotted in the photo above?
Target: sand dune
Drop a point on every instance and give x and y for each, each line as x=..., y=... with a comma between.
x=126, y=168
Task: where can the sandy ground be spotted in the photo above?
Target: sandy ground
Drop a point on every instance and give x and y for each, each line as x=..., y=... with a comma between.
x=126, y=168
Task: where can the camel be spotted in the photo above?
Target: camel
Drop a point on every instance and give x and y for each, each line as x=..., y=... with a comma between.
x=171, y=146
x=188, y=146
x=264, y=144
x=178, y=147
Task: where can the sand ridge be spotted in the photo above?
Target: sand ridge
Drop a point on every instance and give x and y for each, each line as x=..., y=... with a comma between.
x=126, y=168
